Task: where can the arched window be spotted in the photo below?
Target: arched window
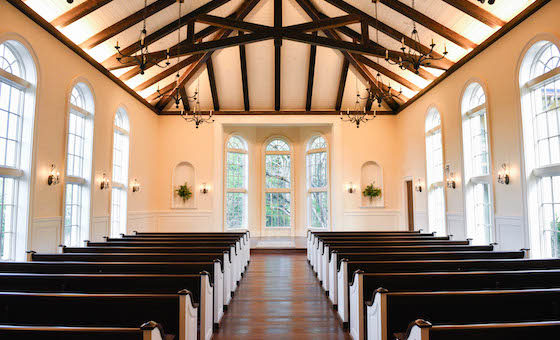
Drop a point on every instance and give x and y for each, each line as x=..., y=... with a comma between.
x=434, y=175
x=317, y=183
x=278, y=184
x=540, y=92
x=478, y=174
x=18, y=80
x=236, y=183
x=119, y=192
x=78, y=166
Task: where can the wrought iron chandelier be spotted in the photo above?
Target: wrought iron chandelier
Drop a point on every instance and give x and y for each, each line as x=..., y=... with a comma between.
x=358, y=116
x=141, y=57
x=196, y=116
x=413, y=57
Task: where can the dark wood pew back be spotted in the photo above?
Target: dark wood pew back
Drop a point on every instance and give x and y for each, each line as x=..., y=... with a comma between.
x=129, y=257
x=72, y=333
x=126, y=249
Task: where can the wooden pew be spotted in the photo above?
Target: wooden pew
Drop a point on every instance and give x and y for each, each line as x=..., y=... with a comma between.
x=340, y=276
x=215, y=270
x=365, y=285
x=390, y=313
x=324, y=258
x=229, y=285
x=423, y=330
x=176, y=312
x=199, y=286
x=148, y=331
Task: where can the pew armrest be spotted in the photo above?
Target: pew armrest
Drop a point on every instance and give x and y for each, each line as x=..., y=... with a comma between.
x=376, y=316
x=418, y=330
x=188, y=316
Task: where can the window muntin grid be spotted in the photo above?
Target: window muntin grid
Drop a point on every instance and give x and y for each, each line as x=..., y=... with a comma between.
x=547, y=59
x=8, y=219
x=318, y=209
x=317, y=142
x=236, y=172
x=11, y=114
x=317, y=183
x=9, y=62
x=278, y=209
x=434, y=174
x=120, y=173
x=118, y=211
x=277, y=145
x=73, y=214
x=482, y=211
x=278, y=171
x=76, y=144
x=236, y=210
x=278, y=184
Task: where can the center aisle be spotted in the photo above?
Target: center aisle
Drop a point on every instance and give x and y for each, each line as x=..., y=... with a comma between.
x=280, y=298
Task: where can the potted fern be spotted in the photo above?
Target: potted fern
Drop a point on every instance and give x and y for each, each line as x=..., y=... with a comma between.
x=184, y=191
x=371, y=192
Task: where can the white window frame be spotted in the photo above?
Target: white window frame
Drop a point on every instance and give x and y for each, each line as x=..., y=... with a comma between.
x=470, y=181
x=24, y=171
x=84, y=181
x=533, y=172
x=276, y=190
x=244, y=190
x=432, y=187
x=325, y=189
x=121, y=187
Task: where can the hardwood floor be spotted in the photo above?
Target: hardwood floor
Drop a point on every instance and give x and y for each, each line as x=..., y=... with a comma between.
x=280, y=298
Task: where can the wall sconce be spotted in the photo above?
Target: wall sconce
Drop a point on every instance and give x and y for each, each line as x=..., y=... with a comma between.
x=204, y=189
x=351, y=188
x=135, y=185
x=418, y=185
x=105, y=184
x=503, y=175
x=54, y=176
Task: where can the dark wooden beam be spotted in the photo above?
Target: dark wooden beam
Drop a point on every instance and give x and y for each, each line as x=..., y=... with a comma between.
x=212, y=80
x=277, y=54
x=167, y=72
x=387, y=73
x=427, y=22
x=477, y=12
x=233, y=24
x=125, y=23
x=364, y=39
x=190, y=32
x=310, y=75
x=527, y=12
x=184, y=99
x=41, y=22
x=275, y=113
x=186, y=19
x=244, y=79
x=78, y=12
x=323, y=24
x=341, y=84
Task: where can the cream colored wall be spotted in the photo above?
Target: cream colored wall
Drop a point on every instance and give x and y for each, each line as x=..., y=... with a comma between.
x=496, y=68
x=58, y=67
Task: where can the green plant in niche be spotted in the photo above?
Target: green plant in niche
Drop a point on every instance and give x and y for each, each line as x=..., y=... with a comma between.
x=184, y=192
x=372, y=191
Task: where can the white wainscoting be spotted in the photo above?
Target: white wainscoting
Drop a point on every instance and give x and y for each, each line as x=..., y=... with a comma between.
x=456, y=226
x=421, y=220
x=367, y=219
x=173, y=220
x=510, y=233
x=100, y=226
x=45, y=234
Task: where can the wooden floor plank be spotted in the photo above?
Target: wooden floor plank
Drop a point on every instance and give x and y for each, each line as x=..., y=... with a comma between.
x=280, y=298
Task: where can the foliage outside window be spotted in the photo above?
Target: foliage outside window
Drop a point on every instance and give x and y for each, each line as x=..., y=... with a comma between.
x=278, y=184
x=236, y=192
x=317, y=183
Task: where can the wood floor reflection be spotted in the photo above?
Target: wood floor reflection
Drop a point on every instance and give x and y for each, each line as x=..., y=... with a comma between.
x=280, y=298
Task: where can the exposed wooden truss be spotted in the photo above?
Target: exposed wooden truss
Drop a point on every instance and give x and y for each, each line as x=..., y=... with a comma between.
x=360, y=53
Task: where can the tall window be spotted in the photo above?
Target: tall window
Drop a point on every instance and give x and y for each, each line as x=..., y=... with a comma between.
x=78, y=166
x=278, y=184
x=478, y=174
x=17, y=107
x=434, y=165
x=317, y=183
x=120, y=173
x=540, y=92
x=236, y=183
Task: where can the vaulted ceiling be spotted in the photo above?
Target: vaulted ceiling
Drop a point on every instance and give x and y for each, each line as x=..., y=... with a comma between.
x=275, y=56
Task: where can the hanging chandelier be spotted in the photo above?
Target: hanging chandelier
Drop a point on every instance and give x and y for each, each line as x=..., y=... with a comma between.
x=141, y=57
x=413, y=57
x=358, y=116
x=196, y=116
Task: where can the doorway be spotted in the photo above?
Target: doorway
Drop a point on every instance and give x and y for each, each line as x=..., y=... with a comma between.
x=410, y=204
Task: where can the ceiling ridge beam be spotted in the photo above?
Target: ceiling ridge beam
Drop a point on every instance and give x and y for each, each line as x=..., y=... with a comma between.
x=311, y=75
x=165, y=30
x=244, y=9
x=427, y=22
x=477, y=12
x=78, y=12
x=167, y=72
x=125, y=23
x=244, y=78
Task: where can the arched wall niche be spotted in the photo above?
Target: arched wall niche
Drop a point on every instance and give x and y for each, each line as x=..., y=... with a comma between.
x=183, y=173
x=372, y=172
